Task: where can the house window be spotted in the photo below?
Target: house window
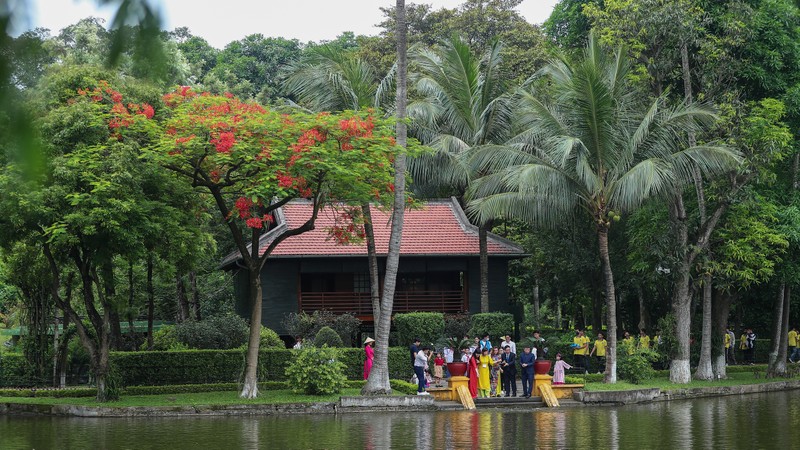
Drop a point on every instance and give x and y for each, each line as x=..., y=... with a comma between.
x=361, y=282
x=411, y=282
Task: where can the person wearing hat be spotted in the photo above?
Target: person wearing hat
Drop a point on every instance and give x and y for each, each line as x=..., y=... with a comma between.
x=369, y=349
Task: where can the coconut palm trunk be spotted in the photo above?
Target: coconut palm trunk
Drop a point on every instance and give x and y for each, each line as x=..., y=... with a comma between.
x=610, y=375
x=378, y=381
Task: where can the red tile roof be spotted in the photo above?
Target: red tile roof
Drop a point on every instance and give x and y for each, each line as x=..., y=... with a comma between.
x=439, y=228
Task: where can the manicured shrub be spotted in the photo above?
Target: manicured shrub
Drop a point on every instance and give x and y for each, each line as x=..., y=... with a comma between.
x=270, y=339
x=326, y=336
x=404, y=387
x=308, y=325
x=165, y=339
x=299, y=324
x=15, y=371
x=220, y=332
x=495, y=324
x=347, y=326
x=636, y=368
x=456, y=325
x=427, y=326
x=190, y=367
x=316, y=371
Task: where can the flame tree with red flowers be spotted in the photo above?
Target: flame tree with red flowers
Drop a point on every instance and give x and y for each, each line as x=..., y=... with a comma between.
x=252, y=160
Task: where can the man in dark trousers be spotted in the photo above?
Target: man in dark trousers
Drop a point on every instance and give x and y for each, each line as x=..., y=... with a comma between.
x=509, y=364
x=526, y=360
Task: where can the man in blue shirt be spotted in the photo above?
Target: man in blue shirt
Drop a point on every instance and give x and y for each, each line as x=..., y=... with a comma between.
x=526, y=360
x=485, y=343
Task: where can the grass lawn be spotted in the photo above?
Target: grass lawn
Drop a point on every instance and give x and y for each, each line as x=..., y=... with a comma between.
x=203, y=398
x=662, y=382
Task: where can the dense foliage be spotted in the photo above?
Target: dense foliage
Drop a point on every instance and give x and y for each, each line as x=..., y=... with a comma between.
x=316, y=371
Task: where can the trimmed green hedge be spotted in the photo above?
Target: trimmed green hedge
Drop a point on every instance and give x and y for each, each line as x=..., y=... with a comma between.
x=495, y=324
x=427, y=326
x=227, y=366
x=14, y=371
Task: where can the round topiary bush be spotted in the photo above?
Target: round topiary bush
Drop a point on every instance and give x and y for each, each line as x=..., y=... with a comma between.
x=316, y=371
x=427, y=326
x=327, y=336
x=270, y=339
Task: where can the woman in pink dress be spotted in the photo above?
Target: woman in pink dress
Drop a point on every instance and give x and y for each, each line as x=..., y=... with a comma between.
x=558, y=370
x=369, y=349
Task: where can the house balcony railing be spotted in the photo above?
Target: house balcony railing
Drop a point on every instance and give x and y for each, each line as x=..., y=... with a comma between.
x=359, y=303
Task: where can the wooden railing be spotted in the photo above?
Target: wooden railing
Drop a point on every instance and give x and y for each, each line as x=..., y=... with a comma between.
x=359, y=303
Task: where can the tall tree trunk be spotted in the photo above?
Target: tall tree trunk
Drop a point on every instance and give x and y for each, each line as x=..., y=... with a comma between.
x=250, y=385
x=151, y=303
x=536, y=305
x=195, y=295
x=704, y=369
x=183, y=302
x=780, y=365
x=777, y=325
x=372, y=261
x=559, y=319
x=378, y=382
x=610, y=375
x=679, y=371
x=484, y=266
x=720, y=311
x=642, y=308
x=777, y=367
x=131, y=328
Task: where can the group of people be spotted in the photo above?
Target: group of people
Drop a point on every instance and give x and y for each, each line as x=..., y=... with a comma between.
x=492, y=371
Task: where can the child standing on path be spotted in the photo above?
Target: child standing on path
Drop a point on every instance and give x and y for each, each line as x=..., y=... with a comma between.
x=438, y=368
x=558, y=370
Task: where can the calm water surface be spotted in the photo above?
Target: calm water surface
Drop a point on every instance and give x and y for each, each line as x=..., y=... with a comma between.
x=755, y=421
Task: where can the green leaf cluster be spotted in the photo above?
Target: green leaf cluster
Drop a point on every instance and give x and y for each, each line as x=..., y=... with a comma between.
x=316, y=371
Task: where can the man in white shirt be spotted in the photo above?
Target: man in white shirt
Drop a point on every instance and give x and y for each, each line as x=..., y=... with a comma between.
x=509, y=343
x=448, y=355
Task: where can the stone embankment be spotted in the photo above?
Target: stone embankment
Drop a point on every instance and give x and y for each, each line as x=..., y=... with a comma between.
x=658, y=395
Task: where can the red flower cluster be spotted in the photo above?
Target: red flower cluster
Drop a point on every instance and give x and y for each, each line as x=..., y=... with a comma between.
x=348, y=228
x=243, y=205
x=254, y=222
x=121, y=116
x=224, y=142
x=259, y=222
x=179, y=96
x=354, y=127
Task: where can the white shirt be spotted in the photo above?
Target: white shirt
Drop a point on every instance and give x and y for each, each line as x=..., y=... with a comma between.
x=421, y=360
x=448, y=355
x=511, y=344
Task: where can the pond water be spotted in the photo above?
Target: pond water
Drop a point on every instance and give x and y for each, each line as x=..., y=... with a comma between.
x=753, y=422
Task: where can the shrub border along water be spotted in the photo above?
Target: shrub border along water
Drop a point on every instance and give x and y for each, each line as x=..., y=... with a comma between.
x=207, y=366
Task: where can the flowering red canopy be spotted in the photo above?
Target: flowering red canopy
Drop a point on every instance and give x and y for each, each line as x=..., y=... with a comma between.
x=261, y=157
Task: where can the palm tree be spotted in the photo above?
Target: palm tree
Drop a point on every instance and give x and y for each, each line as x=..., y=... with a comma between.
x=329, y=78
x=594, y=148
x=465, y=108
